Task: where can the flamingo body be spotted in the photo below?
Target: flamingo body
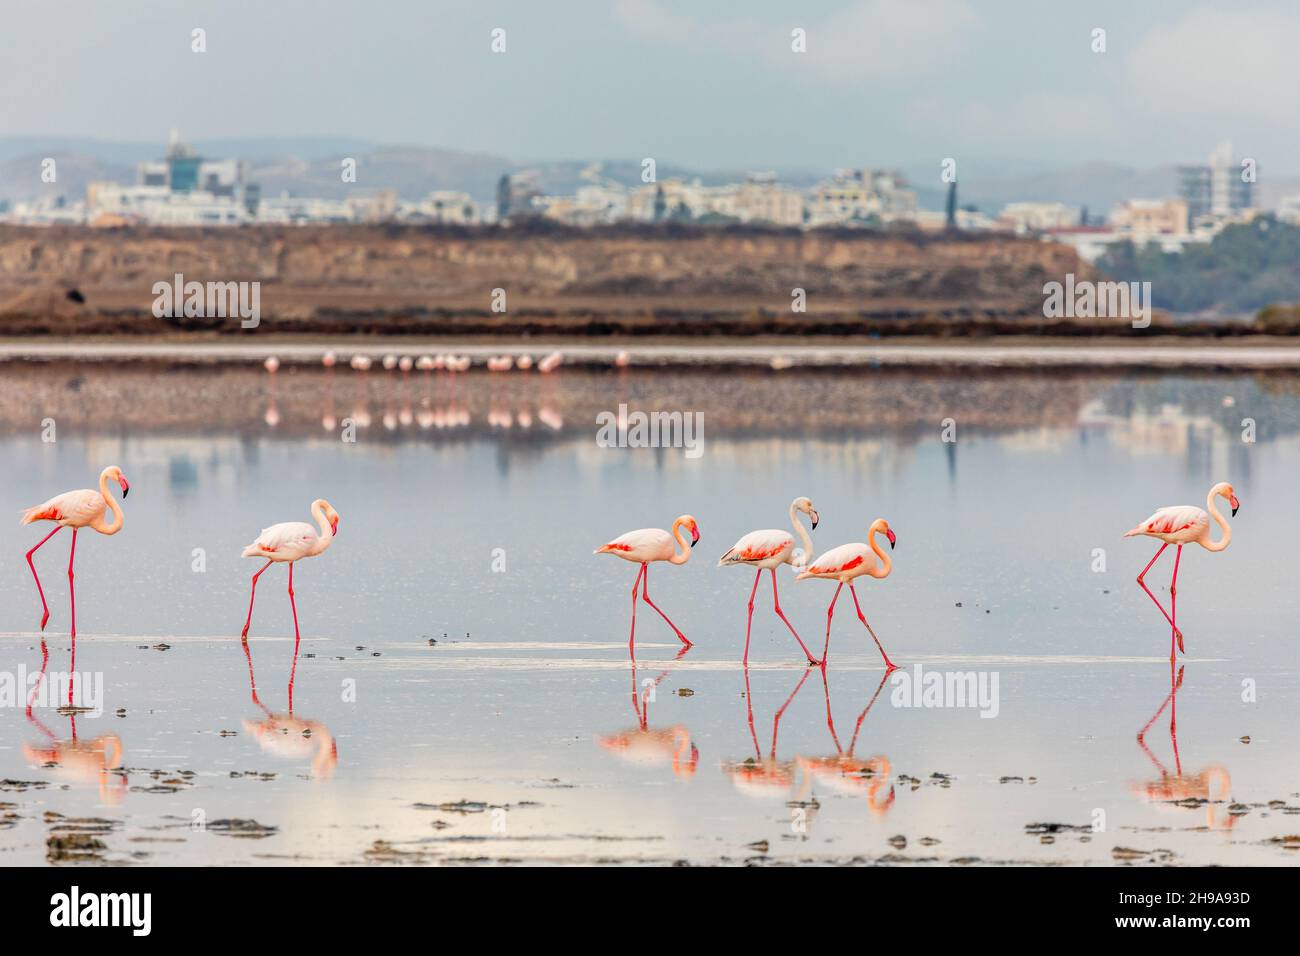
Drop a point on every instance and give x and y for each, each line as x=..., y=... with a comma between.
x=768, y=548
x=288, y=541
x=1177, y=524
x=640, y=546
x=843, y=564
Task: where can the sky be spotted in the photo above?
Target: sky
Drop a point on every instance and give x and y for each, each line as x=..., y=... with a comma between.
x=715, y=86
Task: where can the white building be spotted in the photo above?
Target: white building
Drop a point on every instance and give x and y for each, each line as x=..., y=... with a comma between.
x=1024, y=218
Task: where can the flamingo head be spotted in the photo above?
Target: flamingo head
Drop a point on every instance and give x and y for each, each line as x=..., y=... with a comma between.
x=881, y=526
x=1224, y=490
x=115, y=473
x=806, y=506
x=693, y=526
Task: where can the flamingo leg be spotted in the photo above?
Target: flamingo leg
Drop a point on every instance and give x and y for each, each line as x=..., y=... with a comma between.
x=252, y=681
x=830, y=612
x=889, y=665
x=776, y=602
x=1142, y=583
x=72, y=600
x=776, y=718
x=631, y=638
x=1176, y=635
x=44, y=607
x=295, y=620
x=749, y=621
x=645, y=593
x=251, y=596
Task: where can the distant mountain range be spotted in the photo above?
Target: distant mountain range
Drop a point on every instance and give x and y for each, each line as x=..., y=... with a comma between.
x=309, y=166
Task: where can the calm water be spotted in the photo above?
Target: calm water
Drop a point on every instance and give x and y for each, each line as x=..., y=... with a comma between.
x=525, y=733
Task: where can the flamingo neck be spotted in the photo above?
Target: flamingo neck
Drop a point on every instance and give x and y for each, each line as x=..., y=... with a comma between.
x=1221, y=521
x=326, y=533
x=682, y=553
x=802, y=532
x=886, y=564
x=118, y=517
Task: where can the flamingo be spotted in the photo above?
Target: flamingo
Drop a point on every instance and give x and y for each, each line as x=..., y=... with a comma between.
x=653, y=745
x=653, y=544
x=1180, y=525
x=759, y=775
x=76, y=510
x=769, y=550
x=1211, y=787
x=291, y=541
x=846, y=772
x=850, y=561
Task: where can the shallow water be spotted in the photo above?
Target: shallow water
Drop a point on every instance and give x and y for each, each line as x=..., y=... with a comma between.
x=518, y=735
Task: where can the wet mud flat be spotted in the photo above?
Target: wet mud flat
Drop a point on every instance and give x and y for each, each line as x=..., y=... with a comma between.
x=544, y=754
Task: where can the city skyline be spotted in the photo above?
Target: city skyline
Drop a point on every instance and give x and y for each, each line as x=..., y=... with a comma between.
x=882, y=83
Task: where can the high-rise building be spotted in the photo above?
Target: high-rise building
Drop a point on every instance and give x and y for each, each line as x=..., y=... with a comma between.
x=1219, y=189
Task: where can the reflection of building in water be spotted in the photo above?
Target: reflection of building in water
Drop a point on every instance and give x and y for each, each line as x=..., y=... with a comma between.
x=1204, y=443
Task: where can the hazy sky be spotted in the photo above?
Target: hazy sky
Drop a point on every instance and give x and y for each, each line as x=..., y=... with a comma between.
x=711, y=85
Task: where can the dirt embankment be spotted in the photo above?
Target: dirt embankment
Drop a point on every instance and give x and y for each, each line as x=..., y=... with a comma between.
x=615, y=281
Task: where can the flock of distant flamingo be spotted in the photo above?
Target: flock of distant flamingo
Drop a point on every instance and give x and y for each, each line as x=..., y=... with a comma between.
x=766, y=550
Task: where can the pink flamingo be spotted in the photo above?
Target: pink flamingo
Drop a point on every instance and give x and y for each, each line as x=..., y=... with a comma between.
x=1180, y=525
x=768, y=550
x=76, y=510
x=291, y=541
x=653, y=544
x=850, y=561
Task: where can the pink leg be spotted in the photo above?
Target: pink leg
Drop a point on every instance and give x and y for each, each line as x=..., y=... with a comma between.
x=251, y=596
x=295, y=617
x=749, y=621
x=44, y=607
x=830, y=613
x=889, y=665
x=776, y=602
x=72, y=599
x=1176, y=635
x=645, y=593
x=1142, y=584
x=631, y=638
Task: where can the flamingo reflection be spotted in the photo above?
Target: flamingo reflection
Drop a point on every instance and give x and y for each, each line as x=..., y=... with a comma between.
x=288, y=736
x=764, y=776
x=76, y=760
x=847, y=773
x=1212, y=786
x=653, y=746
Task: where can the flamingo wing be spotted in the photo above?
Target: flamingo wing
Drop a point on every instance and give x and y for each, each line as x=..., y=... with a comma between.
x=1186, y=521
x=644, y=544
x=758, y=546
x=286, y=541
x=72, y=508
x=838, y=560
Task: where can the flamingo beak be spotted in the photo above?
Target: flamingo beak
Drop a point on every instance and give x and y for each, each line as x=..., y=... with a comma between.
x=815, y=518
x=1232, y=500
x=695, y=535
x=892, y=539
x=334, y=525
x=125, y=487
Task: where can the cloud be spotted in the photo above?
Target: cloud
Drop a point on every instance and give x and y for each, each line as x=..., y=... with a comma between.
x=1227, y=64
x=867, y=40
